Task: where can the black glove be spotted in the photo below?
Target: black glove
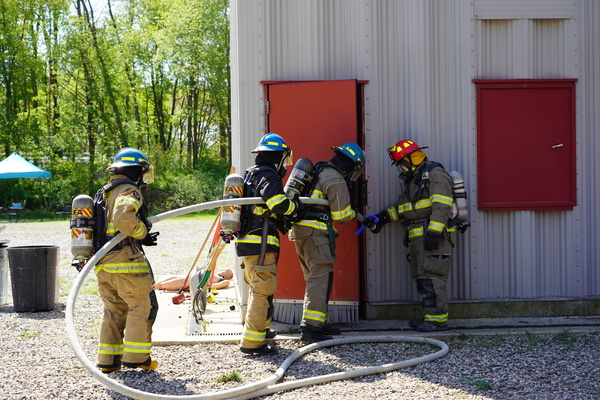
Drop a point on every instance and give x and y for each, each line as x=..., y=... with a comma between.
x=282, y=224
x=382, y=219
x=300, y=208
x=150, y=239
x=369, y=221
x=376, y=228
x=227, y=238
x=431, y=241
x=143, y=216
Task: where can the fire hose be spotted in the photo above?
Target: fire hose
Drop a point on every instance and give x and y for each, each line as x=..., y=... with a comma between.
x=263, y=386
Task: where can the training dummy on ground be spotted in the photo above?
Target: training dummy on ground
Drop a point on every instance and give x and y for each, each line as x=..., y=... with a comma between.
x=219, y=280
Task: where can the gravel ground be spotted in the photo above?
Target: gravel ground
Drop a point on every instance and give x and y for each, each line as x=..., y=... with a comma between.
x=37, y=362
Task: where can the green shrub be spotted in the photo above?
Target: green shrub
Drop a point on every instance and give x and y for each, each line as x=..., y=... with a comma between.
x=174, y=190
x=173, y=187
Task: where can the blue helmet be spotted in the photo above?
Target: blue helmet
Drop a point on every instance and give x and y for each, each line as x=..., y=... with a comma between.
x=130, y=157
x=279, y=152
x=353, y=152
x=271, y=142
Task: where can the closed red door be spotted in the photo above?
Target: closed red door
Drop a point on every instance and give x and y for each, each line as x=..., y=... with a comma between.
x=526, y=144
x=312, y=117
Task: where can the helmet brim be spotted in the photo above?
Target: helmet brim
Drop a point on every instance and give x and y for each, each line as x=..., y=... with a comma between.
x=406, y=155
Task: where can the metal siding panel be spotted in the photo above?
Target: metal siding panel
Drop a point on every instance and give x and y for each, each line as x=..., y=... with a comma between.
x=535, y=254
x=419, y=59
x=585, y=250
x=523, y=9
x=419, y=91
x=247, y=113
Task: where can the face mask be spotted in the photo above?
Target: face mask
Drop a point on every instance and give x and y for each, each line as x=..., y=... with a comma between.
x=289, y=160
x=148, y=176
x=285, y=161
x=354, y=174
x=406, y=169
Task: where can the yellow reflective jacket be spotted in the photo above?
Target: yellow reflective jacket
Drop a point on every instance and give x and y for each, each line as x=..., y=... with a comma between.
x=122, y=205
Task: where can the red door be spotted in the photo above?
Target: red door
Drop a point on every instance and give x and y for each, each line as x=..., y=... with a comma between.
x=312, y=117
x=526, y=144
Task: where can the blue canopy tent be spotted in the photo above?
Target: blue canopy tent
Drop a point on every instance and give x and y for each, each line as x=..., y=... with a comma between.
x=15, y=166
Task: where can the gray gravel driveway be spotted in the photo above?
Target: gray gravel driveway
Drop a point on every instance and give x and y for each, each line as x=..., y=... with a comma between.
x=37, y=362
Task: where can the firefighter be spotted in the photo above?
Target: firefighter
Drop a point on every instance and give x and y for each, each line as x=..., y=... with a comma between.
x=124, y=274
x=258, y=242
x=314, y=236
x=424, y=210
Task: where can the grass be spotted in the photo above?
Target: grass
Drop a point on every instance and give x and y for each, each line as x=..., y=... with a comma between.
x=532, y=339
x=481, y=384
x=48, y=216
x=566, y=337
x=90, y=286
x=490, y=341
x=459, y=341
x=231, y=376
x=204, y=325
x=208, y=215
x=290, y=330
x=29, y=335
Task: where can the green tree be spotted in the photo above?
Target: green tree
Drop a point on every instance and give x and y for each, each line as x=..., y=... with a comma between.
x=79, y=82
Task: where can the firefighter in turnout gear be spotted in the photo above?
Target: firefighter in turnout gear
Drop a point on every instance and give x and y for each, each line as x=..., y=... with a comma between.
x=258, y=241
x=424, y=210
x=314, y=236
x=124, y=275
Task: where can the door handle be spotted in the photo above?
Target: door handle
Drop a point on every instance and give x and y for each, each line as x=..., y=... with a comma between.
x=556, y=146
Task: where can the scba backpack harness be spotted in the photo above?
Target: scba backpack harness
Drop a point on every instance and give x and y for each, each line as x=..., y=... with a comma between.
x=89, y=222
x=459, y=215
x=100, y=236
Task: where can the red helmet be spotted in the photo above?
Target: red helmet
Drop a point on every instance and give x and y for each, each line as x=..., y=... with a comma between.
x=402, y=149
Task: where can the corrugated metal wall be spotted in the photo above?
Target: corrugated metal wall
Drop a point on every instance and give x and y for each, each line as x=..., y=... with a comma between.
x=419, y=58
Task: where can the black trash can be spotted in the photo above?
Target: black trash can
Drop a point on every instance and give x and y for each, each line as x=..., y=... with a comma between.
x=34, y=277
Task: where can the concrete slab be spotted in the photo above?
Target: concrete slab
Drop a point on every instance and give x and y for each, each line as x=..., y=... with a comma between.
x=182, y=324
x=222, y=323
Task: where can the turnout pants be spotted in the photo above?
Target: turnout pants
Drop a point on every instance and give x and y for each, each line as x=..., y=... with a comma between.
x=262, y=280
x=429, y=269
x=130, y=308
x=316, y=260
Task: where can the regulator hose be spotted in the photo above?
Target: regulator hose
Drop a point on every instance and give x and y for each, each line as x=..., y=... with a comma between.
x=259, y=388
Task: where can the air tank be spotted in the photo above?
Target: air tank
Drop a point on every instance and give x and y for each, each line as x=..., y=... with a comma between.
x=230, y=214
x=82, y=227
x=299, y=178
x=461, y=213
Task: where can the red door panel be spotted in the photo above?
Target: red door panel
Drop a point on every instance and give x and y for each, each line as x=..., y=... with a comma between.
x=312, y=117
x=526, y=144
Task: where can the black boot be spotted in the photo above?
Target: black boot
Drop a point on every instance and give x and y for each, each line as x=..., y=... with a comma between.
x=430, y=326
x=263, y=350
x=269, y=334
x=311, y=334
x=149, y=364
x=329, y=329
x=108, y=368
x=414, y=322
